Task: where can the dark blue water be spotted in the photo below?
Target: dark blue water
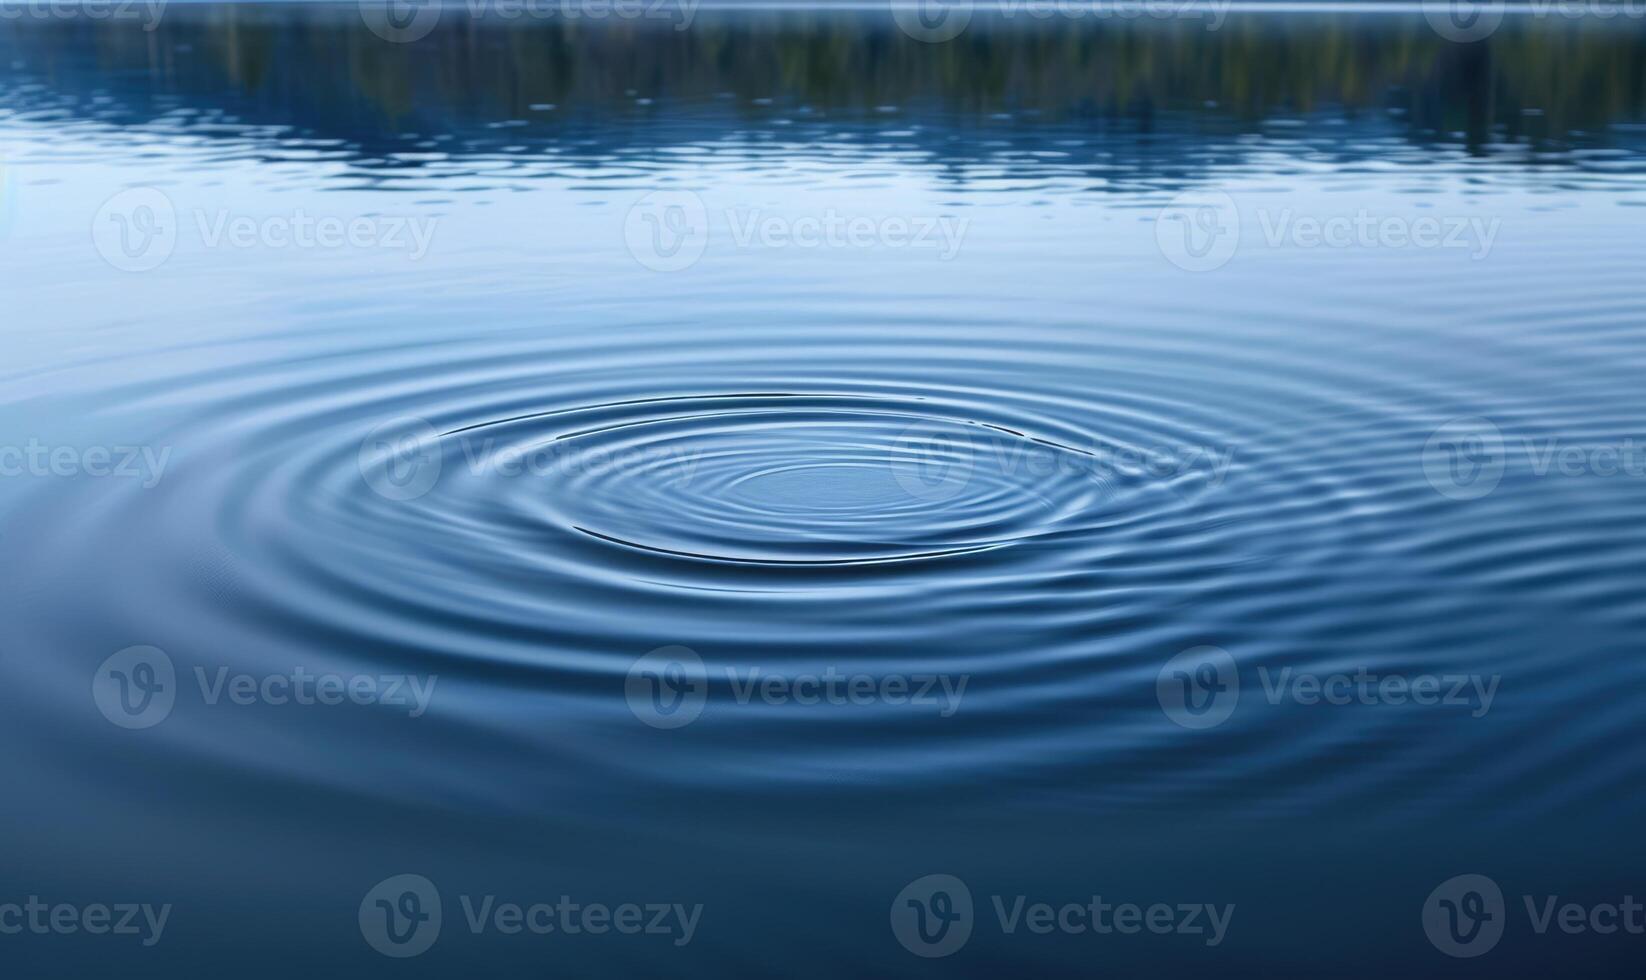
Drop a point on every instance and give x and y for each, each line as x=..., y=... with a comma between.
x=669, y=489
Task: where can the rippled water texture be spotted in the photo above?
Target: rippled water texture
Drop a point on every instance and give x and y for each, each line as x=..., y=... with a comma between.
x=596, y=378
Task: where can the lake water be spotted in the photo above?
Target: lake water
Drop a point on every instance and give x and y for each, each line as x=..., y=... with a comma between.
x=1186, y=473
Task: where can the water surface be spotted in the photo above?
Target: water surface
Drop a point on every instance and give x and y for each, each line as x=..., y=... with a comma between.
x=1008, y=366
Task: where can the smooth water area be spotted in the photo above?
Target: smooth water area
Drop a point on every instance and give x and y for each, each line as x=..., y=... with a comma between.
x=933, y=395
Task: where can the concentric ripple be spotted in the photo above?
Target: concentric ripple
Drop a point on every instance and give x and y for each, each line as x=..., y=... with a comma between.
x=782, y=478
x=1047, y=463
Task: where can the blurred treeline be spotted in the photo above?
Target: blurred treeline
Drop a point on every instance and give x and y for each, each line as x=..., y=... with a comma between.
x=1532, y=80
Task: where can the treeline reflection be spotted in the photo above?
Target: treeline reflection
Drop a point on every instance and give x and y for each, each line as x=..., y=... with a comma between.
x=321, y=68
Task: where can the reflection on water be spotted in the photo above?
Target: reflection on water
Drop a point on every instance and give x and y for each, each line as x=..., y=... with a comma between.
x=599, y=91
x=764, y=464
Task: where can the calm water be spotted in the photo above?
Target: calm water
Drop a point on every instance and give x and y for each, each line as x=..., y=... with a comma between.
x=755, y=466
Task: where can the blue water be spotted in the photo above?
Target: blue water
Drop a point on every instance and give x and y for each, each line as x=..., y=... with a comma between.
x=753, y=467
